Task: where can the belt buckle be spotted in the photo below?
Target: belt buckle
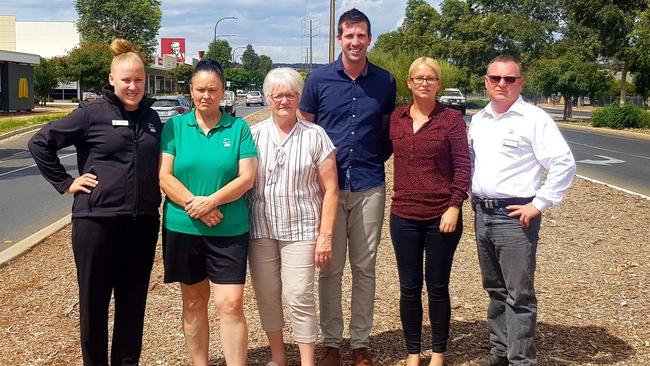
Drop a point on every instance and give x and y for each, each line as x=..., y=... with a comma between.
x=490, y=203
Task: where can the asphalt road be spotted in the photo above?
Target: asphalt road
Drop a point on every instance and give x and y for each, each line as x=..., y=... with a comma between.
x=29, y=203
x=620, y=161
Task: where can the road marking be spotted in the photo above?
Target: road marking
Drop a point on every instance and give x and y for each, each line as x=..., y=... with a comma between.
x=31, y=166
x=613, y=186
x=608, y=150
x=607, y=162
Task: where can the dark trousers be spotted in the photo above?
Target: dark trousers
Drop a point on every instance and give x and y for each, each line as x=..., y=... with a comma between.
x=507, y=256
x=113, y=255
x=416, y=241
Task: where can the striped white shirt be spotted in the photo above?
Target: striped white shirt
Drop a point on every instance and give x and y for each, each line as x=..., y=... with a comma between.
x=286, y=199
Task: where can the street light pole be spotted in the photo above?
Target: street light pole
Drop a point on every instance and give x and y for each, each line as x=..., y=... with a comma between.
x=233, y=53
x=217, y=23
x=332, y=19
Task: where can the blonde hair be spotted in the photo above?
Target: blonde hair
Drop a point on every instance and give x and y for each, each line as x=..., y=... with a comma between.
x=283, y=76
x=124, y=50
x=431, y=63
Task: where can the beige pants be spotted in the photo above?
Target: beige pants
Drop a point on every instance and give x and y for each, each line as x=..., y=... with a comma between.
x=285, y=269
x=359, y=220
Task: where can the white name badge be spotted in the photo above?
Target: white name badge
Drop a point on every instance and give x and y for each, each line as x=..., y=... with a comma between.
x=120, y=122
x=510, y=142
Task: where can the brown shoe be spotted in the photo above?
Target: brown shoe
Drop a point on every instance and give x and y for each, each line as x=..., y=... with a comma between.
x=331, y=357
x=361, y=357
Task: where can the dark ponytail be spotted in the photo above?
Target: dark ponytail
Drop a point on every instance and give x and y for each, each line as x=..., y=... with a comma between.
x=209, y=66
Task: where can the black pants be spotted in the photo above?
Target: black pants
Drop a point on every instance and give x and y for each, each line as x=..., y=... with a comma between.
x=415, y=241
x=113, y=255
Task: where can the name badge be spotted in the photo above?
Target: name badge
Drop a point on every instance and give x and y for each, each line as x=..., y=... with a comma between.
x=510, y=142
x=120, y=122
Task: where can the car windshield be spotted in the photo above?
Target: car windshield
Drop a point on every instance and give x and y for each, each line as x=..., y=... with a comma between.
x=452, y=93
x=254, y=94
x=165, y=103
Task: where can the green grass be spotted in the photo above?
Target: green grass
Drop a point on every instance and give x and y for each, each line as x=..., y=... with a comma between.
x=13, y=123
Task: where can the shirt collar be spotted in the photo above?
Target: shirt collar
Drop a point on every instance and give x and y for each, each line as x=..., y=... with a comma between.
x=225, y=121
x=406, y=112
x=338, y=65
x=517, y=107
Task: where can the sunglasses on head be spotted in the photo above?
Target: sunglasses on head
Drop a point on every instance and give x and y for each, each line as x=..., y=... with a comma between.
x=495, y=79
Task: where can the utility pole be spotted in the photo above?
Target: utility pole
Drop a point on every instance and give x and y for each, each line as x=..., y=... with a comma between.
x=332, y=20
x=313, y=25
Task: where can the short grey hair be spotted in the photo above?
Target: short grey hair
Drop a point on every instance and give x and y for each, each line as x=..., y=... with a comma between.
x=282, y=76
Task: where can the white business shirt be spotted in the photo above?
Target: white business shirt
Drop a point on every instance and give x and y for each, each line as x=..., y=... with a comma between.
x=286, y=199
x=510, y=154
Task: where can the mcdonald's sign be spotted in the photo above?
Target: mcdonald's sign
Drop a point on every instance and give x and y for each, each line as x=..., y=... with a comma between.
x=23, y=88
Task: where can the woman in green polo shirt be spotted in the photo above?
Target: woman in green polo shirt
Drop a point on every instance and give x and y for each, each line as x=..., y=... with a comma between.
x=208, y=161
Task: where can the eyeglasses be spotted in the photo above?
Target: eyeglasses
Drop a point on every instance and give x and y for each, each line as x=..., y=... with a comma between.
x=496, y=79
x=419, y=80
x=278, y=97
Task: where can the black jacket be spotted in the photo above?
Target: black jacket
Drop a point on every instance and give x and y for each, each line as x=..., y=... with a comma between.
x=124, y=157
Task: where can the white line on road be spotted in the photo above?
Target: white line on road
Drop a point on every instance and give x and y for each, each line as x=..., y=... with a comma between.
x=613, y=186
x=31, y=166
x=613, y=151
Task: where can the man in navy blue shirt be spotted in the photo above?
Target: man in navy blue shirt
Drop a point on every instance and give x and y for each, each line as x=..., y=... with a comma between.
x=352, y=100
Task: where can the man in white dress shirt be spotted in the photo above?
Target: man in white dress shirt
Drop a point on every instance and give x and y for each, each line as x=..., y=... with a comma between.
x=512, y=145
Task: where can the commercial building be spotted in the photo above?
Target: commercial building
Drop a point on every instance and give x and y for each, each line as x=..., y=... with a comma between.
x=17, y=80
x=49, y=39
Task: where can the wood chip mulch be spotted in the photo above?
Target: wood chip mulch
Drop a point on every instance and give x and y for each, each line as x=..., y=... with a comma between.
x=592, y=288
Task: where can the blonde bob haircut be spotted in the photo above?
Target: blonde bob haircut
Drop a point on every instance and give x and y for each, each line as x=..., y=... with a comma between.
x=283, y=76
x=124, y=50
x=431, y=63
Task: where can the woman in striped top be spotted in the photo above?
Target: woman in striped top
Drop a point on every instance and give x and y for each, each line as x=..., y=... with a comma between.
x=293, y=210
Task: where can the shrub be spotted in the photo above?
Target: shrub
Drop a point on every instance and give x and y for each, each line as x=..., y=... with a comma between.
x=618, y=117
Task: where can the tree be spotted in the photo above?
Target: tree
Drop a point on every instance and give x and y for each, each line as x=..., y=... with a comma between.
x=249, y=59
x=183, y=75
x=136, y=20
x=46, y=77
x=265, y=65
x=615, y=24
x=221, y=52
x=89, y=64
x=571, y=76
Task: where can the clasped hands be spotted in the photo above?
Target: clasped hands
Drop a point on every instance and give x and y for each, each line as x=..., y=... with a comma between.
x=203, y=208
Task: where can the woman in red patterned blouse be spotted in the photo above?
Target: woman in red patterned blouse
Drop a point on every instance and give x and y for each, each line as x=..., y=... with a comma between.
x=431, y=178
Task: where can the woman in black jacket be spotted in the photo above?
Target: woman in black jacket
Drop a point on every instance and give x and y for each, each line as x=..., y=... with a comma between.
x=115, y=217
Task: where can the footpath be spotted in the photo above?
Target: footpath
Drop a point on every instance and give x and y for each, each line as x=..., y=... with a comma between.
x=592, y=286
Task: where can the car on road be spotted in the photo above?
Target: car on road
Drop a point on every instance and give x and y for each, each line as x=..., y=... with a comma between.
x=90, y=96
x=228, y=102
x=453, y=98
x=254, y=97
x=168, y=106
x=241, y=93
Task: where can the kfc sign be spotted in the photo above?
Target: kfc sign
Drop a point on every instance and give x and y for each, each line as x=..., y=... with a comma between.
x=174, y=47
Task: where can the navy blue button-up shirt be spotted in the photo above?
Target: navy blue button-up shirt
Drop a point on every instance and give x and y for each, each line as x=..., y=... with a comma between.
x=351, y=113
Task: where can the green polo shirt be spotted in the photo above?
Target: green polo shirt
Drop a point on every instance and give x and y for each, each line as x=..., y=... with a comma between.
x=204, y=164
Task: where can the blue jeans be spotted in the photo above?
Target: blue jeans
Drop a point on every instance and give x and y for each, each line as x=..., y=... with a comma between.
x=415, y=242
x=506, y=253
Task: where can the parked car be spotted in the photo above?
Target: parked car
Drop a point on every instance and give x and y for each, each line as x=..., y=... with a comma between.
x=228, y=102
x=89, y=96
x=254, y=97
x=241, y=93
x=168, y=106
x=453, y=98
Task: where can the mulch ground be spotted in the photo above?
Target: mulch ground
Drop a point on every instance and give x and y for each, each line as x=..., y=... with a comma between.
x=592, y=286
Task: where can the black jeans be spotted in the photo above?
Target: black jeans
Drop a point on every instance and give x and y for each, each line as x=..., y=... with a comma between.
x=416, y=241
x=114, y=255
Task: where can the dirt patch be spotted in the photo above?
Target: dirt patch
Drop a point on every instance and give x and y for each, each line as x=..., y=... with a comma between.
x=592, y=286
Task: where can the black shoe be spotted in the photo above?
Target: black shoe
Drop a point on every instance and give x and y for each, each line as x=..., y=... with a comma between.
x=492, y=360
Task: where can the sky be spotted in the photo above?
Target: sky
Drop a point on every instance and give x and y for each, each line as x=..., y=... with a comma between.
x=277, y=28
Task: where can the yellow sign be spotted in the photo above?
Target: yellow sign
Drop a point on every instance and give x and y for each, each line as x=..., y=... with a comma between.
x=23, y=88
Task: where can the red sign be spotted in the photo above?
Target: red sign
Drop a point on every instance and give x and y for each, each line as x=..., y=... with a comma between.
x=174, y=47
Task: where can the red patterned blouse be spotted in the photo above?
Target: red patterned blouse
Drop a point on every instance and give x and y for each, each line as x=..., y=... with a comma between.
x=432, y=170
